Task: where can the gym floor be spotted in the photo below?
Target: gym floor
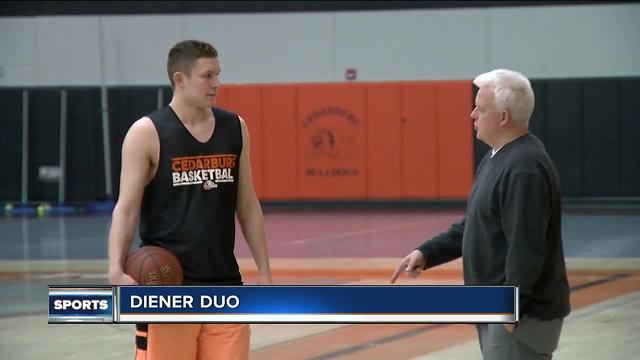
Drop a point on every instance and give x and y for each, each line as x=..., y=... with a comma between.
x=602, y=247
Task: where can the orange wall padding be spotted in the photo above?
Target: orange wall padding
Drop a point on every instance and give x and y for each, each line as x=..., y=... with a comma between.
x=455, y=139
x=337, y=141
x=384, y=141
x=420, y=141
x=280, y=142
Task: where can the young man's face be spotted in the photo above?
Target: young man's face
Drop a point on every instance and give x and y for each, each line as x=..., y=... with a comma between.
x=486, y=116
x=201, y=86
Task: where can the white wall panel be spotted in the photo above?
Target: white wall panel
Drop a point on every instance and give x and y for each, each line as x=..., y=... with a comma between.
x=263, y=48
x=542, y=42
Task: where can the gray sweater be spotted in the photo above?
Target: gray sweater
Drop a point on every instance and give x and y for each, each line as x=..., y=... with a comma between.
x=511, y=232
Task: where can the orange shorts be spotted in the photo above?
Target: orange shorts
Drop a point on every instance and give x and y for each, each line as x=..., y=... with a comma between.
x=192, y=341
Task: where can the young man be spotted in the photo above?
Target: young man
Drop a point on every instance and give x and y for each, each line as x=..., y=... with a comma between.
x=511, y=232
x=185, y=174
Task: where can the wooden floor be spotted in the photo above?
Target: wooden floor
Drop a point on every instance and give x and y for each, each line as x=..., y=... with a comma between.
x=360, y=249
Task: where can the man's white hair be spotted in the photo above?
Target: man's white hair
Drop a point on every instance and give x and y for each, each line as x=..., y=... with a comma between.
x=512, y=91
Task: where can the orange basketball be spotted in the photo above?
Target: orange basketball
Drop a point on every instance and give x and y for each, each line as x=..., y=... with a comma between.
x=153, y=265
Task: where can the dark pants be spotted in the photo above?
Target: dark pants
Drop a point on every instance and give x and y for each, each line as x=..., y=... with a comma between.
x=532, y=339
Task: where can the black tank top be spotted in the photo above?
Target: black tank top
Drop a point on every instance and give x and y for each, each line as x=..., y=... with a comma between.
x=189, y=206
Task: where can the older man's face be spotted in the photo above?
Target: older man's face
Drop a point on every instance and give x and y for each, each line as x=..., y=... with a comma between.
x=486, y=116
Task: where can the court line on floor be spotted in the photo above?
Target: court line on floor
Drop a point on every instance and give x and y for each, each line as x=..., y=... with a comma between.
x=360, y=232
x=378, y=342
x=405, y=334
x=608, y=279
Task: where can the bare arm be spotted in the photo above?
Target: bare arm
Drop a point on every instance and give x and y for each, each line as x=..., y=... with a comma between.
x=137, y=165
x=249, y=212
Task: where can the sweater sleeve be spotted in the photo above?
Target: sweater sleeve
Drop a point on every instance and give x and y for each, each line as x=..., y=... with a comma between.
x=525, y=211
x=444, y=247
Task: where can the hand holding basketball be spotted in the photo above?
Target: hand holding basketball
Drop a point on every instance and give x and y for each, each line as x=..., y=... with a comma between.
x=120, y=278
x=154, y=265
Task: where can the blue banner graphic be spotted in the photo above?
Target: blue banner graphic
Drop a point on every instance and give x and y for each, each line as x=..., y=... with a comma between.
x=284, y=304
x=329, y=304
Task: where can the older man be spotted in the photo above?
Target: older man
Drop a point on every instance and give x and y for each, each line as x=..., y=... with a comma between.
x=510, y=234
